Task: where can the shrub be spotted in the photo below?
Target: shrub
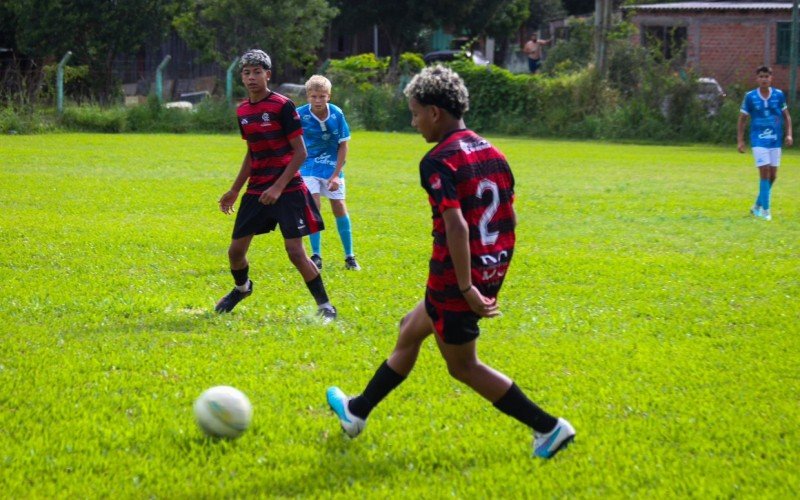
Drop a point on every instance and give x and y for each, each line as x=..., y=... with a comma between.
x=92, y=118
x=360, y=71
x=214, y=115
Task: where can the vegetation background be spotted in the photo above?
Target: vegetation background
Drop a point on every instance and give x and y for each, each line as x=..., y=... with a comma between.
x=643, y=304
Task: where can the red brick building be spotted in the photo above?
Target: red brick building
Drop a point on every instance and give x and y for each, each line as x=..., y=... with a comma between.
x=725, y=40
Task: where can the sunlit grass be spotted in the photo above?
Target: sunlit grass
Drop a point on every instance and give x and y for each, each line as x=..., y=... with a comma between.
x=643, y=304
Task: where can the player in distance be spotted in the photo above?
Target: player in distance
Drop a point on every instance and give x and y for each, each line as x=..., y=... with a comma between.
x=275, y=195
x=326, y=134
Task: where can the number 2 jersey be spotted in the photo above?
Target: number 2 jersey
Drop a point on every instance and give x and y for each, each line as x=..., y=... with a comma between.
x=766, y=117
x=465, y=171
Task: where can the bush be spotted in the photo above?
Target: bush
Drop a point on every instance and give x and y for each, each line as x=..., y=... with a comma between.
x=214, y=115
x=12, y=122
x=361, y=71
x=91, y=118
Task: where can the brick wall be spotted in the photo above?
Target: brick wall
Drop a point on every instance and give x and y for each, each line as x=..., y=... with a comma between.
x=727, y=46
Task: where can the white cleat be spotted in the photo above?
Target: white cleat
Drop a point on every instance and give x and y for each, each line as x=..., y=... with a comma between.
x=547, y=445
x=337, y=400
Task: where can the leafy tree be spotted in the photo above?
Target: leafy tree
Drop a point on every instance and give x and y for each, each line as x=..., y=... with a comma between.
x=403, y=21
x=95, y=31
x=288, y=30
x=543, y=11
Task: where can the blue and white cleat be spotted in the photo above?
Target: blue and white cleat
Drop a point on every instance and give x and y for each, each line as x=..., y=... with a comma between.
x=765, y=214
x=547, y=445
x=337, y=400
x=756, y=210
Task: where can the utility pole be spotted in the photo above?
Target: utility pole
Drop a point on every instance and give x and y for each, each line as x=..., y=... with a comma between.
x=793, y=58
x=602, y=23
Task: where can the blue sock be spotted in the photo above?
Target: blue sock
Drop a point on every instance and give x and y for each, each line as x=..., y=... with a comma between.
x=763, y=193
x=316, y=242
x=345, y=233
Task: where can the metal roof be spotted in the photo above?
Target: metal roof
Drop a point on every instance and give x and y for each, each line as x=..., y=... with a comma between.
x=716, y=6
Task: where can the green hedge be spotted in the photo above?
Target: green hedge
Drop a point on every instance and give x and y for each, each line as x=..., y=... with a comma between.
x=628, y=105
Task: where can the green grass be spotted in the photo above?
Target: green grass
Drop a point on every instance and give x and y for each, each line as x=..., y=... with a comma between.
x=643, y=304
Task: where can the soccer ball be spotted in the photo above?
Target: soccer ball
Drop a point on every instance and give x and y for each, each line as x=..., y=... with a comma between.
x=223, y=411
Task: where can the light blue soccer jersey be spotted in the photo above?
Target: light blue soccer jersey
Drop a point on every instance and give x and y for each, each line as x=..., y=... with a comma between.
x=322, y=140
x=766, y=118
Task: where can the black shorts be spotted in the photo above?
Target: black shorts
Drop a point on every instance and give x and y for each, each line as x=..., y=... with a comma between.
x=295, y=212
x=453, y=327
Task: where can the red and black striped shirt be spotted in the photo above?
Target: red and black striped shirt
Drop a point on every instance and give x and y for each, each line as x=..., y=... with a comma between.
x=466, y=172
x=267, y=126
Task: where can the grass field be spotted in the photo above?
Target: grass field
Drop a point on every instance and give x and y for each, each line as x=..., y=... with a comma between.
x=643, y=304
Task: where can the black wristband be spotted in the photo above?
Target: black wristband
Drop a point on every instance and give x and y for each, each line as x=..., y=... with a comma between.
x=466, y=290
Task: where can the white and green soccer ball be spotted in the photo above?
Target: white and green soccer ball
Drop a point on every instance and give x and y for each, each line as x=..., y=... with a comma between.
x=223, y=411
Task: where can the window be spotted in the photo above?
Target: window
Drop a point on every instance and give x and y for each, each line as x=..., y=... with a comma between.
x=784, y=43
x=670, y=41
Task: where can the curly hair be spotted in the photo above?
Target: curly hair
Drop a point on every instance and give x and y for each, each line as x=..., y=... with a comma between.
x=441, y=87
x=255, y=57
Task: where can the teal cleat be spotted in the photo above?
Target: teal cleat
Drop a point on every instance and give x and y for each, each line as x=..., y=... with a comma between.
x=337, y=400
x=547, y=445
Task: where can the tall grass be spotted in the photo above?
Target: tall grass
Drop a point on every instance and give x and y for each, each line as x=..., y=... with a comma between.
x=643, y=304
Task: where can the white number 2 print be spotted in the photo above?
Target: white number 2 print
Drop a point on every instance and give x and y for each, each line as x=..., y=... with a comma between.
x=488, y=238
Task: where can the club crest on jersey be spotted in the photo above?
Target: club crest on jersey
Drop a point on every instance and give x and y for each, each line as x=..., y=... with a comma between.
x=244, y=121
x=265, y=118
x=435, y=181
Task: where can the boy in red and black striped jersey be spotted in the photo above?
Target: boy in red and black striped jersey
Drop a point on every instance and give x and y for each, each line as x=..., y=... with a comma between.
x=275, y=195
x=471, y=192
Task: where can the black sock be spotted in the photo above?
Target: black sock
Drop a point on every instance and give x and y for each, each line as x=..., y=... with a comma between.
x=515, y=403
x=382, y=383
x=317, y=289
x=240, y=275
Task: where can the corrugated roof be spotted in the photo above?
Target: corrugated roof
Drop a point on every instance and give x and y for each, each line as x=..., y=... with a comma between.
x=716, y=6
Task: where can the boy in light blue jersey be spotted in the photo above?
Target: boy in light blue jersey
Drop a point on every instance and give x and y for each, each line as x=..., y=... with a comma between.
x=326, y=133
x=770, y=126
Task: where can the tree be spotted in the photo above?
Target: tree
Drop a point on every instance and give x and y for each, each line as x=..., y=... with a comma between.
x=543, y=11
x=288, y=30
x=96, y=32
x=403, y=21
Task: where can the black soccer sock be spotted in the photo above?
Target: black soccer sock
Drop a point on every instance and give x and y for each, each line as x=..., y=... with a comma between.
x=240, y=275
x=382, y=383
x=515, y=403
x=317, y=289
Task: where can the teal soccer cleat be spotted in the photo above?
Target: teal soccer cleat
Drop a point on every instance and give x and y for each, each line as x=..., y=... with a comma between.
x=337, y=400
x=547, y=445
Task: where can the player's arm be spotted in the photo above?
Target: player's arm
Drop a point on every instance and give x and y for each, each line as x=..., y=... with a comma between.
x=228, y=199
x=457, y=232
x=787, y=126
x=341, y=157
x=740, y=126
x=272, y=194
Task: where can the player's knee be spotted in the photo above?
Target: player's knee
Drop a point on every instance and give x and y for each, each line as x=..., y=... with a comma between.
x=236, y=253
x=338, y=208
x=460, y=371
x=296, y=255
